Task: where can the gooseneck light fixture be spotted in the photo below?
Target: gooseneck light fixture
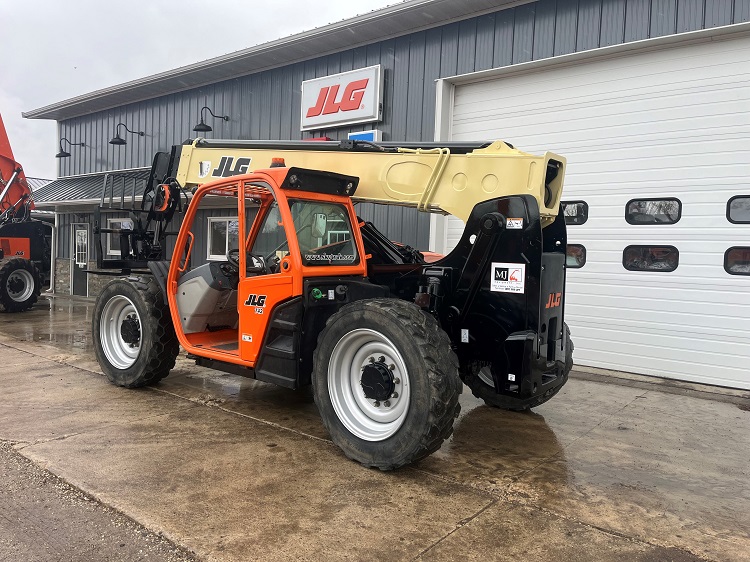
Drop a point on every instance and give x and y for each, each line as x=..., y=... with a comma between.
x=117, y=140
x=202, y=127
x=64, y=153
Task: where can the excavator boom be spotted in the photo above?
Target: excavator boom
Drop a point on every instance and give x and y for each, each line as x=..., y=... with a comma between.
x=14, y=189
x=449, y=178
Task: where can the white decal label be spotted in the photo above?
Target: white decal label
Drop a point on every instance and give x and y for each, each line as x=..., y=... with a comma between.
x=512, y=378
x=247, y=337
x=331, y=296
x=203, y=168
x=464, y=335
x=514, y=224
x=508, y=277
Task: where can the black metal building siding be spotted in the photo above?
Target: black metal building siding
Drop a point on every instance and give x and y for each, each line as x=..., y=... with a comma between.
x=266, y=105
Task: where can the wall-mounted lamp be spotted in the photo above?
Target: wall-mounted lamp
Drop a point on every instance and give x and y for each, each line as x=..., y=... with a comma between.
x=117, y=140
x=64, y=153
x=202, y=127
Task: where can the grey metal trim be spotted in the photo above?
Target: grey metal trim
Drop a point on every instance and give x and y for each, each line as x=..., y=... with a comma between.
x=700, y=36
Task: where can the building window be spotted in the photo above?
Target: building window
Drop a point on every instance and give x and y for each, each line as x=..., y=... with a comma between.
x=650, y=258
x=737, y=260
x=575, y=212
x=223, y=235
x=575, y=256
x=113, y=240
x=653, y=211
x=738, y=209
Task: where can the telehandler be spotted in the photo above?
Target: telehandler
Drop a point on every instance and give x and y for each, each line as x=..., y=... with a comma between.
x=311, y=294
x=25, y=249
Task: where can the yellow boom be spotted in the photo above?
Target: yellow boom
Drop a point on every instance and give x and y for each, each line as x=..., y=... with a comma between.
x=431, y=179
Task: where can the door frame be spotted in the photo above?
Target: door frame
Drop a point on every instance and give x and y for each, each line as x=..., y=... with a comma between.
x=73, y=264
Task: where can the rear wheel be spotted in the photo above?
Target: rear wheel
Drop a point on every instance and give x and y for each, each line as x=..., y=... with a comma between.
x=478, y=377
x=20, y=285
x=134, y=339
x=386, y=382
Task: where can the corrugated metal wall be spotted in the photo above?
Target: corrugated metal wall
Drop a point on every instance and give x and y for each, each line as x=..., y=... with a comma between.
x=266, y=105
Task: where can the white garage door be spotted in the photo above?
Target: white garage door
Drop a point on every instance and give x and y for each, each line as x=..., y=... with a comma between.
x=669, y=123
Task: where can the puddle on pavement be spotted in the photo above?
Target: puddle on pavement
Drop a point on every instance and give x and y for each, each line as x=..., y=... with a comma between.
x=59, y=322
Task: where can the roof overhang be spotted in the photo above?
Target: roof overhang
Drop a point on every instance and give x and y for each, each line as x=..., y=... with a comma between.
x=405, y=17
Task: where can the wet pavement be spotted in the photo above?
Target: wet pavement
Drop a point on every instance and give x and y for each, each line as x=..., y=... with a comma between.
x=235, y=469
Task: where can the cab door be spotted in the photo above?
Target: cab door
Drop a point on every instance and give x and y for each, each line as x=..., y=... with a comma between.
x=267, y=281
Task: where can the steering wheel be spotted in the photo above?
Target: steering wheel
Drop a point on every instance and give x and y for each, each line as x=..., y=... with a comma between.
x=255, y=263
x=273, y=263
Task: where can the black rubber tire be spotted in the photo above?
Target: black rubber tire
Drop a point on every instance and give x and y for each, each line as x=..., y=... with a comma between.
x=433, y=375
x=480, y=389
x=6, y=301
x=159, y=346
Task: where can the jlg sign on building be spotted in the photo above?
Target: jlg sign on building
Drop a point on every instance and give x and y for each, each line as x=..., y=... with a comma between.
x=342, y=99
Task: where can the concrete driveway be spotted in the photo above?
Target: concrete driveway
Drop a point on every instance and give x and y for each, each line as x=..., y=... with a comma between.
x=234, y=469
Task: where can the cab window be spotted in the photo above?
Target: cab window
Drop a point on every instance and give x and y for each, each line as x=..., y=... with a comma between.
x=270, y=243
x=324, y=233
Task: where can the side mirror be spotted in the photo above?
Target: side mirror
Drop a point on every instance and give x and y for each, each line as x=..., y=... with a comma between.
x=319, y=224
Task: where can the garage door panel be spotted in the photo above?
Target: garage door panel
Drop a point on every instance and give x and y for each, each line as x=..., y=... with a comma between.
x=679, y=104
x=715, y=326
x=673, y=122
x=704, y=373
x=664, y=346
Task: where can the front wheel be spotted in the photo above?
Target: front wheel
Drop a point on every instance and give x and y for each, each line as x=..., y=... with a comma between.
x=386, y=382
x=134, y=339
x=20, y=285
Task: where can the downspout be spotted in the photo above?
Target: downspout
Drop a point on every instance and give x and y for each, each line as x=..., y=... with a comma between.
x=53, y=257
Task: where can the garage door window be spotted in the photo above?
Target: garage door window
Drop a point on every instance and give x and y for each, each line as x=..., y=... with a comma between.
x=653, y=211
x=650, y=258
x=737, y=260
x=575, y=257
x=575, y=212
x=738, y=209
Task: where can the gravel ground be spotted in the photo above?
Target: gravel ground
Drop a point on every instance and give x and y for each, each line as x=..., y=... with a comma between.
x=44, y=519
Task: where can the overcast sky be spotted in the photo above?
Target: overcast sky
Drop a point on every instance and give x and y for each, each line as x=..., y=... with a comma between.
x=52, y=50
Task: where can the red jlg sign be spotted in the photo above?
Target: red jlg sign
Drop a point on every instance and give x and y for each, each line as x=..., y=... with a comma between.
x=342, y=99
x=351, y=100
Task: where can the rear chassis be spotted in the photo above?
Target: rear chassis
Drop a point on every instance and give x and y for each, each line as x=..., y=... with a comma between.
x=518, y=338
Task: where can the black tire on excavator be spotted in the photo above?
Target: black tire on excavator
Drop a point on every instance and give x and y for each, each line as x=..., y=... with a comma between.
x=477, y=377
x=134, y=338
x=20, y=284
x=386, y=382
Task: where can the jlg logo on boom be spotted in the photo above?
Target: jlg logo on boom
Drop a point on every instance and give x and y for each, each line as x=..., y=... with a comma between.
x=350, y=100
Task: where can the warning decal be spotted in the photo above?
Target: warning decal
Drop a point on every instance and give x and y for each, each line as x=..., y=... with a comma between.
x=508, y=277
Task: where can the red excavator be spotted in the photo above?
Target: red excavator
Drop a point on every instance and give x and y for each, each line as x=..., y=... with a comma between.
x=25, y=250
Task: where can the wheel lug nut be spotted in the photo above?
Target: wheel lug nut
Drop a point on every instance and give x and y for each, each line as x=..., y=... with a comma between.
x=392, y=367
x=381, y=359
x=397, y=381
x=387, y=403
x=394, y=395
x=377, y=404
x=371, y=360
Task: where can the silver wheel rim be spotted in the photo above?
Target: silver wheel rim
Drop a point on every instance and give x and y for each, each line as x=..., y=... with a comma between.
x=27, y=288
x=367, y=419
x=485, y=375
x=119, y=353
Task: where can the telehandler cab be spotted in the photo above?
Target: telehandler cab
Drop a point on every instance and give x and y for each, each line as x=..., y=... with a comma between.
x=310, y=294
